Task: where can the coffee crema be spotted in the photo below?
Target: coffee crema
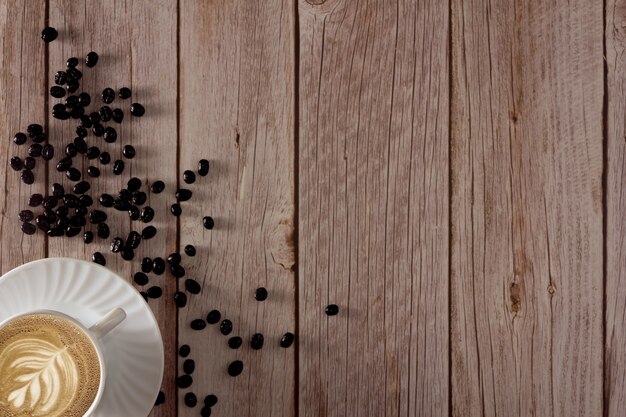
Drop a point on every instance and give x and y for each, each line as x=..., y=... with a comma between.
x=48, y=368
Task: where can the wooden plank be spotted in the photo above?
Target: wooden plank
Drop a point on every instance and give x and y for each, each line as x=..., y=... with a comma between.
x=526, y=265
x=23, y=86
x=237, y=110
x=373, y=208
x=137, y=45
x=615, y=347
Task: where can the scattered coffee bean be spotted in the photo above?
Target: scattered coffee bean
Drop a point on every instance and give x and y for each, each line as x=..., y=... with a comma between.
x=71, y=231
x=147, y=214
x=108, y=95
x=260, y=294
x=256, y=342
x=157, y=187
x=146, y=265
x=60, y=78
x=35, y=200
x=30, y=162
x=97, y=216
x=98, y=258
x=287, y=340
x=235, y=342
x=73, y=174
x=74, y=73
x=161, y=397
x=16, y=163
x=93, y=171
x=184, y=381
x=192, y=286
x=106, y=200
x=210, y=400
x=184, y=351
x=85, y=200
x=124, y=195
x=26, y=215
x=190, y=400
x=174, y=258
x=332, y=310
x=189, y=177
x=128, y=254
x=189, y=366
x=180, y=299
x=106, y=114
x=19, y=138
x=27, y=176
x=133, y=240
x=55, y=231
x=133, y=213
x=235, y=368
x=49, y=34
x=81, y=187
x=34, y=150
x=203, y=167
x=28, y=228
x=93, y=152
x=198, y=324
x=57, y=92
x=88, y=237
x=34, y=129
x=97, y=129
x=118, y=115
x=71, y=101
x=105, y=158
x=92, y=59
x=213, y=317
x=205, y=412
x=139, y=198
x=158, y=266
x=177, y=270
x=84, y=99
x=208, y=222
x=64, y=164
x=176, y=210
x=42, y=223
x=81, y=145
x=148, y=232
x=103, y=232
x=226, y=327
x=47, y=152
x=183, y=194
x=116, y=244
x=124, y=93
x=128, y=152
x=50, y=202
x=190, y=250
x=137, y=110
x=70, y=150
x=134, y=184
x=155, y=292
x=118, y=167
x=110, y=135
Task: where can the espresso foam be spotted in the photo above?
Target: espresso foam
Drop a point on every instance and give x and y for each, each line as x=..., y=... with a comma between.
x=48, y=368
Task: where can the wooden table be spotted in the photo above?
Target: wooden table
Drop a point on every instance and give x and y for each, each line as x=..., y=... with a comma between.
x=449, y=173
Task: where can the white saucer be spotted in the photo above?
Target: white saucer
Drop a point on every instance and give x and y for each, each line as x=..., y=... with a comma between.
x=86, y=291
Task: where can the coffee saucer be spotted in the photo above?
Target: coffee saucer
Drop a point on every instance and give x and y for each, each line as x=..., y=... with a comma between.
x=133, y=351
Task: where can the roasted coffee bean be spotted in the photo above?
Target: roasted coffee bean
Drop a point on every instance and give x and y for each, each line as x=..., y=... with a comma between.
x=146, y=265
x=73, y=174
x=59, y=107
x=77, y=112
x=30, y=162
x=81, y=211
x=62, y=211
x=116, y=244
x=191, y=400
x=19, y=138
x=93, y=152
x=128, y=152
x=208, y=222
x=203, y=167
x=97, y=129
x=35, y=200
x=176, y=210
x=97, y=216
x=205, y=412
x=256, y=342
x=34, y=150
x=16, y=163
x=57, y=92
x=174, y=258
x=81, y=145
x=147, y=214
x=106, y=200
x=332, y=310
x=110, y=135
x=39, y=138
x=184, y=381
x=189, y=366
x=184, y=351
x=177, y=270
x=49, y=34
x=77, y=221
x=118, y=115
x=71, y=101
x=139, y=198
x=133, y=213
x=124, y=93
x=158, y=266
x=34, y=129
x=137, y=110
x=81, y=187
x=98, y=258
x=183, y=194
x=133, y=240
x=105, y=158
x=27, y=176
x=118, y=167
x=190, y=250
x=128, y=254
x=50, y=216
x=103, y=231
x=189, y=177
x=71, y=231
x=72, y=85
x=85, y=121
x=72, y=62
x=88, y=237
x=108, y=95
x=26, y=215
x=42, y=223
x=235, y=342
x=235, y=368
x=50, y=202
x=94, y=116
x=85, y=200
x=60, y=78
x=157, y=186
x=28, y=228
x=192, y=286
x=94, y=172
x=74, y=73
x=213, y=317
x=70, y=200
x=180, y=299
x=70, y=150
x=210, y=400
x=64, y=164
x=198, y=324
x=55, y=231
x=134, y=184
x=154, y=292
x=226, y=326
x=57, y=190
x=84, y=99
x=148, y=232
x=121, y=205
x=124, y=195
x=287, y=340
x=92, y=59
x=47, y=153
x=105, y=113
x=260, y=294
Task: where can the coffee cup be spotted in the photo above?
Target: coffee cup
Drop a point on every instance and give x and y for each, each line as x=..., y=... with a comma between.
x=52, y=365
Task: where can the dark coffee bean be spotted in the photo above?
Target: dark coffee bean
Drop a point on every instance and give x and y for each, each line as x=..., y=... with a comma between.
x=105, y=158
x=105, y=113
x=213, y=317
x=71, y=101
x=26, y=215
x=81, y=211
x=47, y=153
x=71, y=231
x=198, y=324
x=147, y=214
x=77, y=112
x=118, y=167
x=106, y=200
x=137, y=110
x=81, y=145
x=42, y=223
x=118, y=115
x=191, y=400
x=235, y=368
x=177, y=270
x=49, y=34
x=60, y=78
x=50, y=215
x=39, y=138
x=35, y=200
x=183, y=194
x=146, y=265
x=57, y=190
x=174, y=258
x=208, y=222
x=16, y=163
x=148, y=232
x=72, y=62
x=50, y=202
x=30, y=162
x=128, y=152
x=180, y=298
x=205, y=412
x=97, y=129
x=133, y=240
x=81, y=187
x=155, y=292
x=203, y=167
x=128, y=254
x=85, y=122
x=56, y=231
x=331, y=310
x=27, y=176
x=260, y=294
x=59, y=107
x=64, y=164
x=70, y=150
x=189, y=177
x=235, y=342
x=184, y=381
x=158, y=266
x=74, y=73
x=184, y=351
x=92, y=59
x=144, y=295
x=77, y=221
x=108, y=95
x=94, y=116
x=34, y=150
x=19, y=138
x=72, y=85
x=98, y=258
x=73, y=174
x=62, y=211
x=287, y=340
x=189, y=366
x=161, y=397
x=134, y=184
x=93, y=152
x=110, y=135
x=84, y=200
x=124, y=195
x=133, y=213
x=70, y=200
x=190, y=250
x=256, y=342
x=157, y=187
x=34, y=129
x=193, y=286
x=124, y=93
x=210, y=400
x=28, y=228
x=94, y=172
x=84, y=99
x=57, y=92
x=88, y=237
x=103, y=231
x=139, y=198
x=97, y=216
x=226, y=326
x=121, y=205
x=176, y=210
x=116, y=244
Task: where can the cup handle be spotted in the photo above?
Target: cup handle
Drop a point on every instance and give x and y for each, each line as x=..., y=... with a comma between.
x=107, y=323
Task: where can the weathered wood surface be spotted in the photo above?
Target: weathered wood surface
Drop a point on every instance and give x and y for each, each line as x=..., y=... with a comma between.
x=526, y=174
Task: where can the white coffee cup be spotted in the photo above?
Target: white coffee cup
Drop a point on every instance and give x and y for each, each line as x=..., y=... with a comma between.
x=94, y=333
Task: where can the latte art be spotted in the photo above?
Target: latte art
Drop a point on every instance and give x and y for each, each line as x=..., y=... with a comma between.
x=48, y=367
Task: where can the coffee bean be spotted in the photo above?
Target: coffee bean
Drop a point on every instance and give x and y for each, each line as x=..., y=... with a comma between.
x=128, y=254
x=35, y=200
x=208, y=222
x=176, y=210
x=19, y=138
x=198, y=324
x=49, y=34
x=134, y=184
x=157, y=186
x=81, y=145
x=81, y=187
x=118, y=115
x=73, y=174
x=205, y=412
x=226, y=327
x=158, y=266
x=184, y=381
x=190, y=400
x=34, y=150
x=210, y=400
x=189, y=366
x=189, y=177
x=28, y=228
x=85, y=200
x=133, y=213
x=137, y=110
x=203, y=167
x=26, y=215
x=193, y=286
x=260, y=294
x=161, y=397
x=235, y=342
x=55, y=231
x=27, y=176
x=116, y=245
x=106, y=200
x=103, y=232
x=256, y=342
x=93, y=171
x=183, y=194
x=147, y=214
x=92, y=59
x=190, y=250
x=16, y=163
x=148, y=232
x=133, y=240
x=139, y=198
x=71, y=231
x=64, y=164
x=155, y=292
x=118, y=167
x=105, y=158
x=174, y=258
x=213, y=317
x=97, y=216
x=128, y=152
x=42, y=223
x=50, y=202
x=180, y=299
x=98, y=258
x=184, y=351
x=88, y=237
x=287, y=340
x=332, y=310
x=30, y=162
x=146, y=265
x=110, y=135
x=235, y=368
x=124, y=93
x=47, y=152
x=177, y=270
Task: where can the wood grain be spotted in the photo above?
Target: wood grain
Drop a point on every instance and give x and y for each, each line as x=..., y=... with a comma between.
x=373, y=208
x=22, y=86
x=237, y=111
x=526, y=272
x=137, y=45
x=615, y=345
